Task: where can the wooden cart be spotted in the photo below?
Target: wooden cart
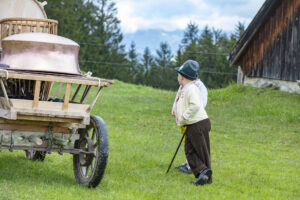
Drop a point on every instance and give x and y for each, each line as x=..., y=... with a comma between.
x=33, y=120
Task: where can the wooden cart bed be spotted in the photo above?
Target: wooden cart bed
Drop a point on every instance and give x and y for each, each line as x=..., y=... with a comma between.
x=40, y=108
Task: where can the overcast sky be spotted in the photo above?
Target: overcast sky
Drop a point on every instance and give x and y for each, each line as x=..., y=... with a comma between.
x=172, y=15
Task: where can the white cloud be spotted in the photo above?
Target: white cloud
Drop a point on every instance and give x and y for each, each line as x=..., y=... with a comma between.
x=170, y=15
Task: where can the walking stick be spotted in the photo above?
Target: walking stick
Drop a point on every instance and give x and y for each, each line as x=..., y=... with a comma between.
x=176, y=152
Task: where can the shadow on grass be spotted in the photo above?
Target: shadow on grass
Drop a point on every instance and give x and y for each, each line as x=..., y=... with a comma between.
x=18, y=169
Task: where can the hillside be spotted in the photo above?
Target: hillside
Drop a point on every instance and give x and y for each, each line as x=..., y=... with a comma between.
x=255, y=141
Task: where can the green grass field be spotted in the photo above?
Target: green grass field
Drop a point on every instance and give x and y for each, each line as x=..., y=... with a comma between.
x=255, y=146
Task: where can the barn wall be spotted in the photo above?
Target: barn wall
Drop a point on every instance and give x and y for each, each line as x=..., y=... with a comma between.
x=274, y=51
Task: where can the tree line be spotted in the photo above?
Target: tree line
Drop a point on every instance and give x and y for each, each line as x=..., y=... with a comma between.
x=95, y=26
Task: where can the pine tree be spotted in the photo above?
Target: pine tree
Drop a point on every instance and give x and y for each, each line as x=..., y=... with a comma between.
x=95, y=26
x=133, y=62
x=147, y=64
x=164, y=75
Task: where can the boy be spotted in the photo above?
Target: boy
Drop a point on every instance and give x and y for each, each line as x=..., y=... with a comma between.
x=185, y=167
x=190, y=112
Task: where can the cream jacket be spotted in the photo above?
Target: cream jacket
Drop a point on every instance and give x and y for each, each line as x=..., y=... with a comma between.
x=189, y=107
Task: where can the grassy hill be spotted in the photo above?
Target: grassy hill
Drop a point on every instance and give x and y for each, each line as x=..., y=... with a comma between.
x=255, y=142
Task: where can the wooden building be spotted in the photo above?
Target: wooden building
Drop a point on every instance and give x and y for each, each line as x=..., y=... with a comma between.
x=269, y=49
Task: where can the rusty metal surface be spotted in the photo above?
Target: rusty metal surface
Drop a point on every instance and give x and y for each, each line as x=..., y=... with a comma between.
x=40, y=52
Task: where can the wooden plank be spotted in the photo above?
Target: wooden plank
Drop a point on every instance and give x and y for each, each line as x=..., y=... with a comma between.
x=50, y=119
x=67, y=97
x=38, y=26
x=64, y=125
x=50, y=108
x=36, y=128
x=36, y=94
x=57, y=78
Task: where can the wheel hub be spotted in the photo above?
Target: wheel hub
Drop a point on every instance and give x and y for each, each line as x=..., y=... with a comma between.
x=86, y=144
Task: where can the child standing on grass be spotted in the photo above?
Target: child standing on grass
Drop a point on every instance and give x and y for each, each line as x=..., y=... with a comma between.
x=185, y=167
x=190, y=113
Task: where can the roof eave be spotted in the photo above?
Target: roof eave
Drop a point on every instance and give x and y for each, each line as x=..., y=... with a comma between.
x=252, y=29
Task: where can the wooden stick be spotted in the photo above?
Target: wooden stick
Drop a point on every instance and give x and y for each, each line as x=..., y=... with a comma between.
x=176, y=152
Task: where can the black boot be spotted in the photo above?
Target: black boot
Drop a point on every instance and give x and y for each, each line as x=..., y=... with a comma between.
x=203, y=177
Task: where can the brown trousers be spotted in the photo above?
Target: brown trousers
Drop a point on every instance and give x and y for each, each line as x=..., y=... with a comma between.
x=197, y=147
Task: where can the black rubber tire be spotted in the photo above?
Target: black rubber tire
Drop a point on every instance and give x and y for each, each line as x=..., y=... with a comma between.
x=35, y=155
x=98, y=164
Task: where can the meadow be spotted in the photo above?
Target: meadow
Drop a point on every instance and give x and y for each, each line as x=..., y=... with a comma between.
x=255, y=150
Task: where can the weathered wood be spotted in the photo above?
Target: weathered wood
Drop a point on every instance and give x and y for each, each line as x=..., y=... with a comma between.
x=41, y=117
x=48, y=106
x=67, y=96
x=35, y=139
x=57, y=126
x=273, y=49
x=85, y=94
x=37, y=88
x=29, y=139
x=74, y=79
x=46, y=91
x=31, y=128
x=94, y=100
x=8, y=103
x=23, y=25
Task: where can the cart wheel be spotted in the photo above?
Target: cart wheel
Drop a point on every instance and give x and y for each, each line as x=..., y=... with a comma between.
x=35, y=155
x=89, y=168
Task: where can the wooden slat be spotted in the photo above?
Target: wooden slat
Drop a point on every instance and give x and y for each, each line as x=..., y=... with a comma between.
x=85, y=94
x=48, y=86
x=10, y=29
x=76, y=93
x=39, y=123
x=27, y=19
x=67, y=97
x=36, y=128
x=36, y=94
x=50, y=108
x=48, y=119
x=37, y=26
x=56, y=78
x=94, y=100
x=8, y=103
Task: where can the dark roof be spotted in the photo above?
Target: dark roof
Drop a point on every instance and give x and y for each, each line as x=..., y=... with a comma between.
x=253, y=27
